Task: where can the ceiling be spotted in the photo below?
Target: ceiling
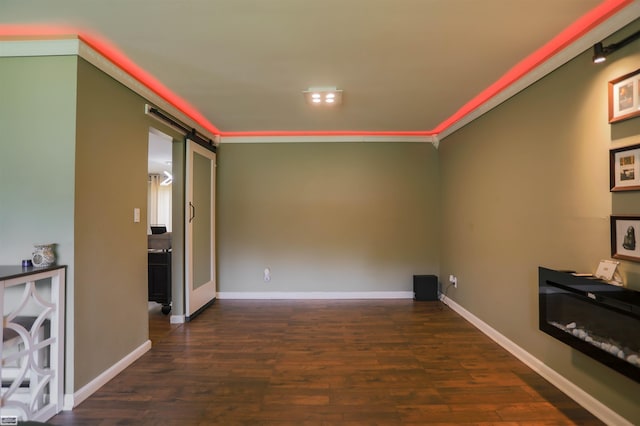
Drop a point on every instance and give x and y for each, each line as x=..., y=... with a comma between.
x=404, y=65
x=160, y=152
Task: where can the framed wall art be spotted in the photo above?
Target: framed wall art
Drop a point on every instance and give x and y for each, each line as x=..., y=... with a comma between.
x=625, y=237
x=624, y=168
x=624, y=97
x=607, y=269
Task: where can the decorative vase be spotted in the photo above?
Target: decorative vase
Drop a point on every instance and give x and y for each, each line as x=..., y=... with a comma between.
x=43, y=255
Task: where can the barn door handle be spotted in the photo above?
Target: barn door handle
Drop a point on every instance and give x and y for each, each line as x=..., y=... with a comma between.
x=193, y=211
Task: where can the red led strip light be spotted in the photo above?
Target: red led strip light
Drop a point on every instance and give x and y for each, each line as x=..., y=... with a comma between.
x=572, y=33
x=590, y=20
x=115, y=56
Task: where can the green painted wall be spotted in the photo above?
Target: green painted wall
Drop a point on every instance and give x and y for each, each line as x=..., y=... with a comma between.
x=37, y=160
x=327, y=217
x=73, y=166
x=111, y=250
x=527, y=185
x=37, y=132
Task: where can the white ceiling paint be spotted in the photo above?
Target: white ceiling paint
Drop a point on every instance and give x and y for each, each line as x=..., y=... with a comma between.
x=160, y=152
x=404, y=65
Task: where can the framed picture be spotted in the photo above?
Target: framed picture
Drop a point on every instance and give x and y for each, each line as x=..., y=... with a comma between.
x=625, y=237
x=624, y=97
x=624, y=168
x=606, y=269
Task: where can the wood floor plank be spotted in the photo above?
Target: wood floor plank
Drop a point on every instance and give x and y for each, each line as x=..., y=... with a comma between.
x=344, y=362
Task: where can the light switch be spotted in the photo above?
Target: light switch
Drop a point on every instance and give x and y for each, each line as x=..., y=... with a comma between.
x=136, y=215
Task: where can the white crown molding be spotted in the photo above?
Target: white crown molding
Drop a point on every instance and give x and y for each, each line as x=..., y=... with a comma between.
x=602, y=31
x=87, y=53
x=53, y=47
x=436, y=141
x=574, y=392
x=75, y=46
x=329, y=138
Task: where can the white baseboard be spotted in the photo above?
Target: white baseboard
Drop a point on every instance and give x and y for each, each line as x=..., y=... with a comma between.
x=71, y=401
x=574, y=392
x=176, y=319
x=319, y=295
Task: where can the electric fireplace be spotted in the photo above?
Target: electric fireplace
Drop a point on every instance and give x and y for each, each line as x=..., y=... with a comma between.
x=596, y=318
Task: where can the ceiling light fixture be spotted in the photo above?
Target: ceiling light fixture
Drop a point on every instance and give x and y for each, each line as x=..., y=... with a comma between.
x=167, y=180
x=601, y=52
x=323, y=96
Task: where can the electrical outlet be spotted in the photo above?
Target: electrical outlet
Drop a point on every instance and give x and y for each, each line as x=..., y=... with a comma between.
x=267, y=275
x=453, y=280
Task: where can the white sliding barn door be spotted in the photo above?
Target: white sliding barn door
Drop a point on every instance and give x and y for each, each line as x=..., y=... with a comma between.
x=200, y=267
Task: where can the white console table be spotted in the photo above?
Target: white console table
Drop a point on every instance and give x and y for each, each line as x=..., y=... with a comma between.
x=31, y=342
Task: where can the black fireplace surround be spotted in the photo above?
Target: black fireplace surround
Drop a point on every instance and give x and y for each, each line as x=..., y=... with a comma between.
x=596, y=318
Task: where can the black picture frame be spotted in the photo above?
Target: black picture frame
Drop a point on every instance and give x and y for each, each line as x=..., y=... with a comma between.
x=625, y=237
x=624, y=168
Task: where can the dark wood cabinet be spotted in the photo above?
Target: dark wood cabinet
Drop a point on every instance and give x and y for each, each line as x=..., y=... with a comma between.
x=160, y=278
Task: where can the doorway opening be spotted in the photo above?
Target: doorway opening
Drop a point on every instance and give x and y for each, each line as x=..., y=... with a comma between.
x=160, y=180
x=159, y=231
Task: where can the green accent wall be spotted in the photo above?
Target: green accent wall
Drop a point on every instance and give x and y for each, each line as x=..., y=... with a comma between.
x=527, y=185
x=111, y=250
x=37, y=135
x=37, y=160
x=73, y=167
x=327, y=217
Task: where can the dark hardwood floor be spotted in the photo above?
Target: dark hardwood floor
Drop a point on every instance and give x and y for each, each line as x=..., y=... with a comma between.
x=335, y=362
